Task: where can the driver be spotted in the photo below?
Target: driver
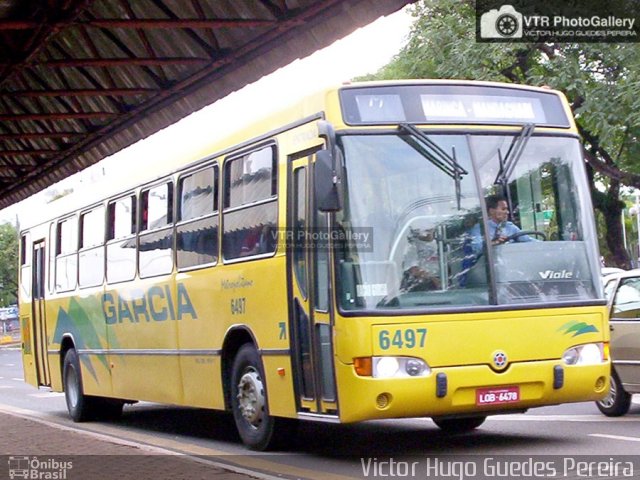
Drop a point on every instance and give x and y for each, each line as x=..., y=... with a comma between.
x=500, y=229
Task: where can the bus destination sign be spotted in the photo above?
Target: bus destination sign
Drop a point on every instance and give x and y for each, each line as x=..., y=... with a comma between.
x=452, y=104
x=482, y=108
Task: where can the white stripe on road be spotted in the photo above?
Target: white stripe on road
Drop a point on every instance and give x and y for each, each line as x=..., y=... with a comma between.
x=615, y=437
x=46, y=394
x=7, y=386
x=18, y=379
x=563, y=418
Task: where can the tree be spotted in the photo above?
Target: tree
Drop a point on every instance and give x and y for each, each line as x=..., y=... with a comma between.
x=601, y=81
x=8, y=265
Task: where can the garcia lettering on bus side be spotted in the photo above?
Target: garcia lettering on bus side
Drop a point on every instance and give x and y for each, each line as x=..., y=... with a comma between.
x=155, y=304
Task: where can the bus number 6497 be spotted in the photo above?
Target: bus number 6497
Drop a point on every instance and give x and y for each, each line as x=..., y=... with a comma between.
x=238, y=306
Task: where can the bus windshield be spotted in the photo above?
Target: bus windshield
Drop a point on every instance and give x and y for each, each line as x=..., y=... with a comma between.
x=432, y=243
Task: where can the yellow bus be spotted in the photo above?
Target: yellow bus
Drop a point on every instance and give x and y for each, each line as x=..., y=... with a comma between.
x=338, y=262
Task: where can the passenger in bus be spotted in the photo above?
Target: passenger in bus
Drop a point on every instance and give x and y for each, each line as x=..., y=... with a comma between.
x=421, y=262
x=500, y=229
x=469, y=257
x=259, y=240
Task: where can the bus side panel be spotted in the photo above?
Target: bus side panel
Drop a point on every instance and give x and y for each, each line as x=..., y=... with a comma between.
x=249, y=295
x=142, y=322
x=259, y=288
x=280, y=388
x=28, y=353
x=200, y=340
x=79, y=317
x=55, y=372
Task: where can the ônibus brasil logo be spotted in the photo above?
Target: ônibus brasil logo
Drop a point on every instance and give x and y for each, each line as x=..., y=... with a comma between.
x=36, y=468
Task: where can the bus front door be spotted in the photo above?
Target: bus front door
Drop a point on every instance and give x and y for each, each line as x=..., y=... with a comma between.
x=310, y=322
x=38, y=315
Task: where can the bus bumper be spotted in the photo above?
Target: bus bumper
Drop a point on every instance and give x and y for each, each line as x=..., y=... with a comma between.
x=537, y=384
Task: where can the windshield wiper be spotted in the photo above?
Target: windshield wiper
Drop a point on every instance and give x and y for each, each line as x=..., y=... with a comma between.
x=510, y=160
x=430, y=150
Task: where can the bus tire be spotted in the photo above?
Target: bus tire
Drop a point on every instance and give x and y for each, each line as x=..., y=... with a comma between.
x=257, y=428
x=618, y=401
x=81, y=407
x=459, y=425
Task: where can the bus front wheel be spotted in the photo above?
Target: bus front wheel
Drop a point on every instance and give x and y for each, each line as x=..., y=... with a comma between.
x=459, y=425
x=257, y=428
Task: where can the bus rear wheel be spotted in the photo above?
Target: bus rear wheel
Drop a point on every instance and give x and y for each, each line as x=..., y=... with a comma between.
x=80, y=406
x=257, y=428
x=458, y=425
x=83, y=407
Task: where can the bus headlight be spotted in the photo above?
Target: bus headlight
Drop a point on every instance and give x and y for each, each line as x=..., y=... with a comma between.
x=588, y=354
x=393, y=367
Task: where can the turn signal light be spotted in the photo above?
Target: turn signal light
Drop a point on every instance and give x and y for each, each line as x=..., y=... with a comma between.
x=363, y=366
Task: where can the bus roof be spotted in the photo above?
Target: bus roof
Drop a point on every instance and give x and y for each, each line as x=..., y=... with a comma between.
x=164, y=161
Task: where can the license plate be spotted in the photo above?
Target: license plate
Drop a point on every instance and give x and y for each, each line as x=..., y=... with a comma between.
x=497, y=396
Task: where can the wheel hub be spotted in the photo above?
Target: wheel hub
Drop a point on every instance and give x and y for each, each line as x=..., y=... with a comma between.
x=610, y=399
x=71, y=387
x=251, y=398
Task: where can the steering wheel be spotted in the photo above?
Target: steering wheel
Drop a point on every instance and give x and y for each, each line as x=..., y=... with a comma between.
x=525, y=232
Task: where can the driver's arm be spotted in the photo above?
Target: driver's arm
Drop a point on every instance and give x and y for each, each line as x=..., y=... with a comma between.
x=512, y=229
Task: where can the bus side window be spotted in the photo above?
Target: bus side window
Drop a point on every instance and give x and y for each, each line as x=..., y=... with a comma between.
x=25, y=265
x=121, y=240
x=66, y=254
x=197, y=228
x=155, y=247
x=250, y=204
x=91, y=253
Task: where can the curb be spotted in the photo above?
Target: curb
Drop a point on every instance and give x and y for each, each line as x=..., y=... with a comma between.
x=222, y=470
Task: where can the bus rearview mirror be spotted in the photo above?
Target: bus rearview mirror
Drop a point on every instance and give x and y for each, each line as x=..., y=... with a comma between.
x=327, y=184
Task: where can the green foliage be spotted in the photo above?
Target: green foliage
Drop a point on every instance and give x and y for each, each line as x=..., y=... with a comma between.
x=8, y=265
x=601, y=81
x=442, y=45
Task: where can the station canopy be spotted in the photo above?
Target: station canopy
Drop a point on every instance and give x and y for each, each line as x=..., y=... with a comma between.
x=83, y=79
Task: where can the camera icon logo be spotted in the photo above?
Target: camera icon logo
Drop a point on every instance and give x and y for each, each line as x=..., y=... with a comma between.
x=503, y=23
